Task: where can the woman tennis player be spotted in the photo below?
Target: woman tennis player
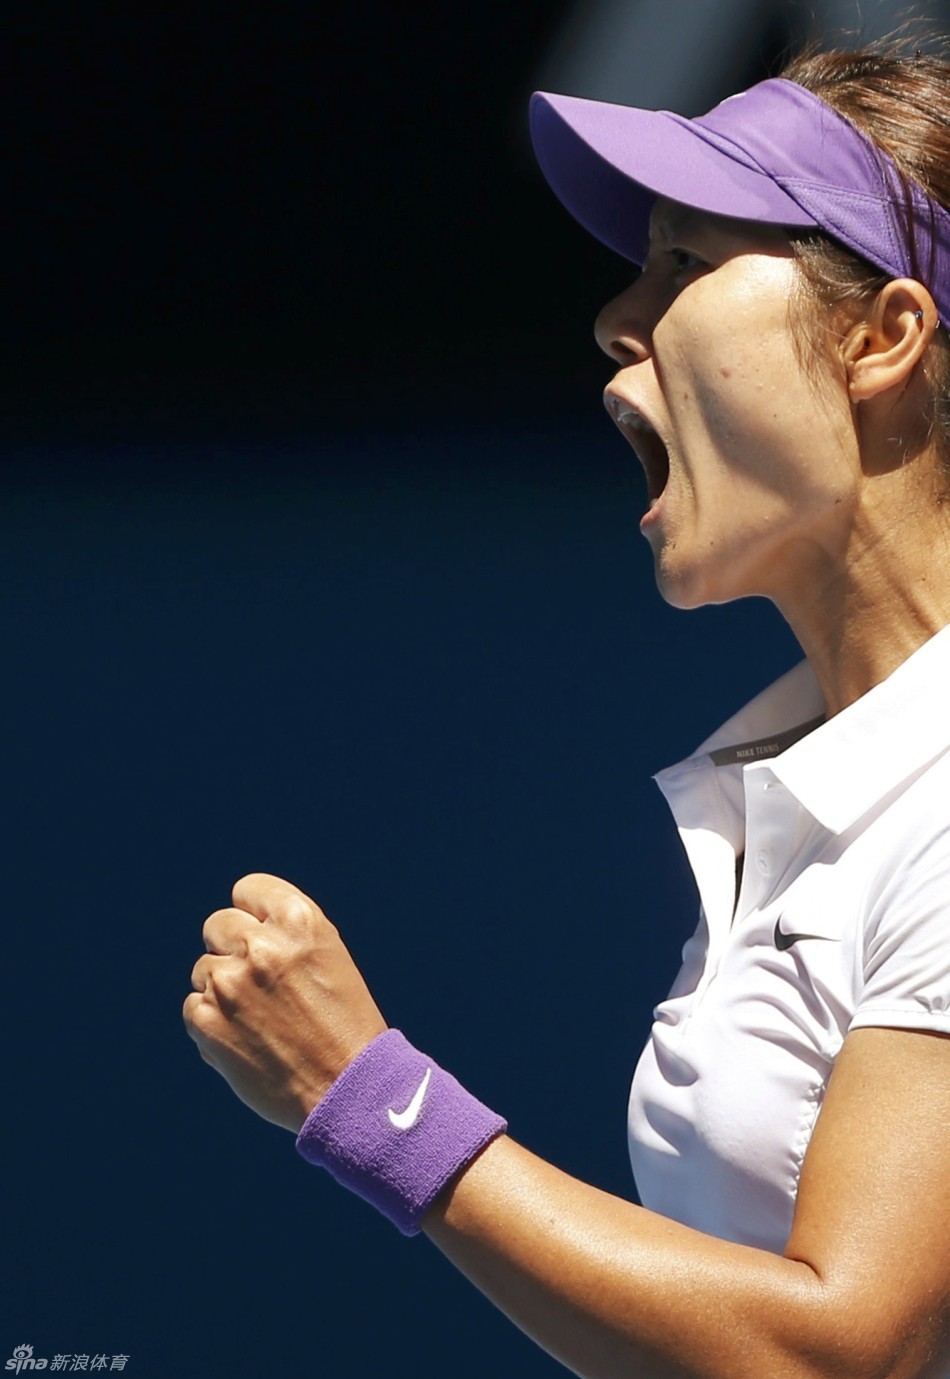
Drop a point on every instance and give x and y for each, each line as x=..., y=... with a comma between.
x=781, y=370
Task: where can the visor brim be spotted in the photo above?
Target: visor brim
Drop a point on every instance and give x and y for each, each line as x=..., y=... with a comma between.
x=608, y=163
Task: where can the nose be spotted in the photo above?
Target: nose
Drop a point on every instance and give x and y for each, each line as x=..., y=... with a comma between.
x=621, y=329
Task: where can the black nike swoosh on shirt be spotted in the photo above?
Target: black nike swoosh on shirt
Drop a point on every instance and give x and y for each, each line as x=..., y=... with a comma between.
x=784, y=941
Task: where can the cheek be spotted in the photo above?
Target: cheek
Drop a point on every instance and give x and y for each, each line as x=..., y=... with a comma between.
x=763, y=409
x=733, y=405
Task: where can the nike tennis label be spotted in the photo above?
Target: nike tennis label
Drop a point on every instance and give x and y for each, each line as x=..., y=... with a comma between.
x=405, y=1120
x=784, y=941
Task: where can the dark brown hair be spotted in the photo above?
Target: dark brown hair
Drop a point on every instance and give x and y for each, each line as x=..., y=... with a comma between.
x=902, y=102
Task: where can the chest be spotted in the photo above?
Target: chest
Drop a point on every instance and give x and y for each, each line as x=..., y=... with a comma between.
x=726, y=1094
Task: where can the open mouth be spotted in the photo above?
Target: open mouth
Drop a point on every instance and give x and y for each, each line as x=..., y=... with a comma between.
x=650, y=450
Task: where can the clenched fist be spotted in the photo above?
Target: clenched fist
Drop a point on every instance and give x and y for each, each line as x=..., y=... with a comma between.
x=279, y=1008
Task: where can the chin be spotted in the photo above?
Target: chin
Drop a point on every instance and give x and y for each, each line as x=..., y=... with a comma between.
x=694, y=589
x=686, y=580
x=683, y=588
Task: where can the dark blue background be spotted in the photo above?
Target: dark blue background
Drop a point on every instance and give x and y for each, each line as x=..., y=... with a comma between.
x=318, y=557
x=427, y=678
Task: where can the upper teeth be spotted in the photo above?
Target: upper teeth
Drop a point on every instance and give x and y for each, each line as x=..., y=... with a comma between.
x=634, y=420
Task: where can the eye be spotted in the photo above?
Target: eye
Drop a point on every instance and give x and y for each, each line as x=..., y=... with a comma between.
x=685, y=261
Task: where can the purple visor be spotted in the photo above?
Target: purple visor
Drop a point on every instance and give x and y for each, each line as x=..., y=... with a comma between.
x=775, y=154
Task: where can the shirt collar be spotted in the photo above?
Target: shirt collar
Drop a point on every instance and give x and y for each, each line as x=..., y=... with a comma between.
x=842, y=768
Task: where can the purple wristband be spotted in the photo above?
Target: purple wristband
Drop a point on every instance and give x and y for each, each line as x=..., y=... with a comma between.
x=395, y=1128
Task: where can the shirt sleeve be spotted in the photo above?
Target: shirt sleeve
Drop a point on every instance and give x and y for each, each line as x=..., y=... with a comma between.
x=906, y=957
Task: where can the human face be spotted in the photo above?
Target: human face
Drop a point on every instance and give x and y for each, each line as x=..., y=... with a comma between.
x=751, y=458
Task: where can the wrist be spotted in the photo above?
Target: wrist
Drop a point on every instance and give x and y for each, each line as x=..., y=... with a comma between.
x=396, y=1129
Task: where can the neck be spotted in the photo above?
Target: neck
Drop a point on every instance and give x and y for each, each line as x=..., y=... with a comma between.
x=869, y=612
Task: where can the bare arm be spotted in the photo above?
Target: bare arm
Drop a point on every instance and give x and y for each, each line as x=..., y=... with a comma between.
x=862, y=1292
x=863, y=1288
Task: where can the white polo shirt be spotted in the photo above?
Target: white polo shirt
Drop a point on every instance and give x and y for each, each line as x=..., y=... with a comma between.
x=843, y=920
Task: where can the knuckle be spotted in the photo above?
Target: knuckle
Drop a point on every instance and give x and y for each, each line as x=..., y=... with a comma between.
x=224, y=982
x=296, y=911
x=265, y=960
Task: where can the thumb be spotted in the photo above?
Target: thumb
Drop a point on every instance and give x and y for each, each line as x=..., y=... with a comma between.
x=271, y=897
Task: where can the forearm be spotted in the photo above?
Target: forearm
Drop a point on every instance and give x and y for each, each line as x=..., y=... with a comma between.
x=613, y=1290
x=610, y=1289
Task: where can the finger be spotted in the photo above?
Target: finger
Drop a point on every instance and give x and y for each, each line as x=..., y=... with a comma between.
x=227, y=931
x=220, y=981
x=195, y=1007
x=271, y=898
x=201, y=973
x=189, y=1011
x=199, y=1016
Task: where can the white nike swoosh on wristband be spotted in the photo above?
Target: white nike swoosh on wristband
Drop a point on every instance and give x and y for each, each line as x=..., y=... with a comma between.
x=405, y=1120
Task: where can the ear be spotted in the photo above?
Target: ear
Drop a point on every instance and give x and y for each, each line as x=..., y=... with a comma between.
x=881, y=352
